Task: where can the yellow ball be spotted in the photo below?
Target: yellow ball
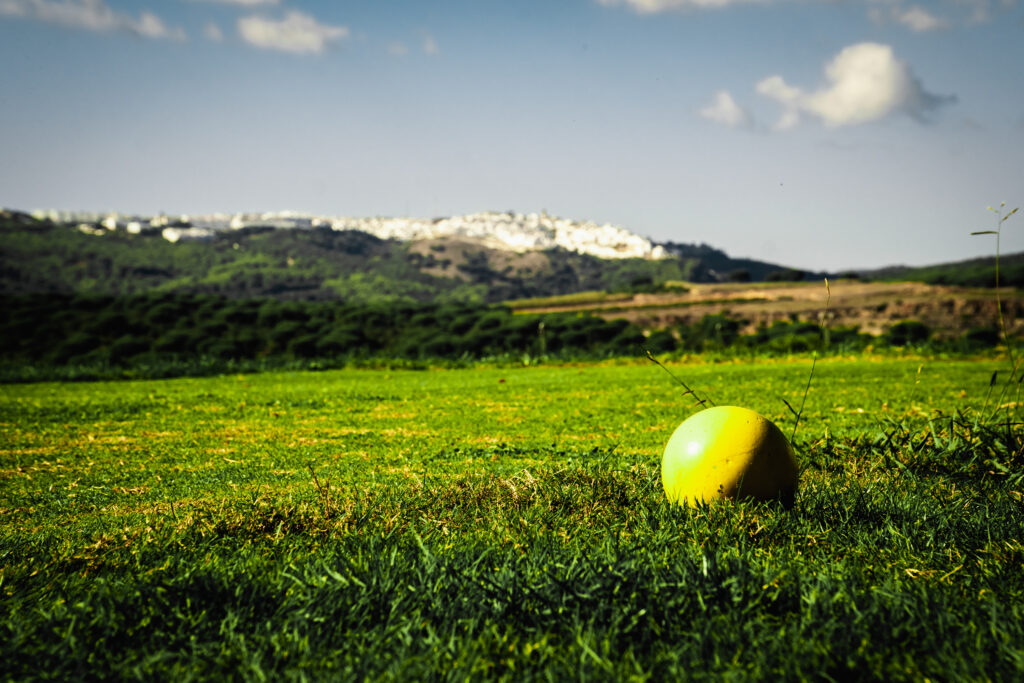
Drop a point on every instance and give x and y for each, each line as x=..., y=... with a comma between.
x=728, y=452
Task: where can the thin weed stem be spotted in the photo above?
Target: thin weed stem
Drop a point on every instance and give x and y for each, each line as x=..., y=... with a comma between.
x=814, y=361
x=702, y=402
x=1010, y=351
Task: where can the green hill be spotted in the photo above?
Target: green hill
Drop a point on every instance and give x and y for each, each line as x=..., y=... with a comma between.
x=977, y=272
x=324, y=264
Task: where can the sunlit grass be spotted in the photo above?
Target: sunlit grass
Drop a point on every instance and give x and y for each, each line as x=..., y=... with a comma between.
x=506, y=522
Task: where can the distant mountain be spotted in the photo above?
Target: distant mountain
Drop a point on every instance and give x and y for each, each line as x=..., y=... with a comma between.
x=483, y=258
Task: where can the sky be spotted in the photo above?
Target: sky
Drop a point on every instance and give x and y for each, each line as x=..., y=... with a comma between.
x=819, y=134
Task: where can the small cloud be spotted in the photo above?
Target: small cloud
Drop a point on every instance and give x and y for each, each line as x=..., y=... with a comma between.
x=724, y=110
x=430, y=47
x=213, y=32
x=866, y=83
x=90, y=15
x=655, y=6
x=981, y=10
x=916, y=18
x=243, y=3
x=919, y=20
x=297, y=33
x=150, y=26
x=397, y=49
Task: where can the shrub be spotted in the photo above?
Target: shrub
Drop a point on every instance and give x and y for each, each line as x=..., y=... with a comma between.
x=908, y=333
x=439, y=347
x=164, y=315
x=981, y=338
x=109, y=323
x=491, y=321
x=284, y=332
x=127, y=346
x=175, y=341
x=77, y=344
x=304, y=346
x=718, y=330
x=661, y=341
x=339, y=340
x=628, y=341
x=239, y=314
x=217, y=348
x=787, y=275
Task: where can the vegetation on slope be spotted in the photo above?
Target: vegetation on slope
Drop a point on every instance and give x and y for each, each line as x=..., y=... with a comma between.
x=59, y=336
x=323, y=264
x=318, y=264
x=978, y=272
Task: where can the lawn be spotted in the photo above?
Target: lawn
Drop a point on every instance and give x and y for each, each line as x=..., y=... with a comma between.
x=497, y=522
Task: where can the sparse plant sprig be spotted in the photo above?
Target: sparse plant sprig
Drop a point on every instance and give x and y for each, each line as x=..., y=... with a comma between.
x=1002, y=215
x=823, y=322
x=702, y=402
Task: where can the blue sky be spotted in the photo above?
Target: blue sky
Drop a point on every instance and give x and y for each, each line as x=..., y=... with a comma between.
x=819, y=134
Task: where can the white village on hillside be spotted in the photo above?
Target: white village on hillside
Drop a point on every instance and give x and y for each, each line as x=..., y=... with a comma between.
x=509, y=231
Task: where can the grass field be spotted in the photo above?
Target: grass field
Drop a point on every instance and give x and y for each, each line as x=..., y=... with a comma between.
x=491, y=522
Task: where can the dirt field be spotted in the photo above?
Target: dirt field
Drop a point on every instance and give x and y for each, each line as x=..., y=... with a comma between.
x=869, y=306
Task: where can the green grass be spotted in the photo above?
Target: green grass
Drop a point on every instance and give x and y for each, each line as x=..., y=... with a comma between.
x=575, y=299
x=486, y=523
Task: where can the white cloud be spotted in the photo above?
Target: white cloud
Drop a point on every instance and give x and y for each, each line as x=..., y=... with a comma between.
x=723, y=109
x=655, y=6
x=90, y=15
x=243, y=3
x=430, y=46
x=919, y=20
x=397, y=49
x=213, y=32
x=297, y=33
x=981, y=10
x=916, y=18
x=866, y=82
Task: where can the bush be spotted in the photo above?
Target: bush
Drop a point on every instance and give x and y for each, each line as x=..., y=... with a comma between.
x=788, y=275
x=109, y=323
x=217, y=348
x=661, y=341
x=978, y=338
x=908, y=333
x=491, y=321
x=628, y=342
x=718, y=330
x=285, y=331
x=439, y=347
x=339, y=340
x=164, y=315
x=304, y=346
x=175, y=341
x=77, y=344
x=127, y=346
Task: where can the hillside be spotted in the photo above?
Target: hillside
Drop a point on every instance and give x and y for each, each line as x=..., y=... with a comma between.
x=976, y=272
x=868, y=307
x=325, y=263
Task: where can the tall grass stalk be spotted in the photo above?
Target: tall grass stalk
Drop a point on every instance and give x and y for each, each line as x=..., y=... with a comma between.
x=823, y=323
x=702, y=402
x=1001, y=217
